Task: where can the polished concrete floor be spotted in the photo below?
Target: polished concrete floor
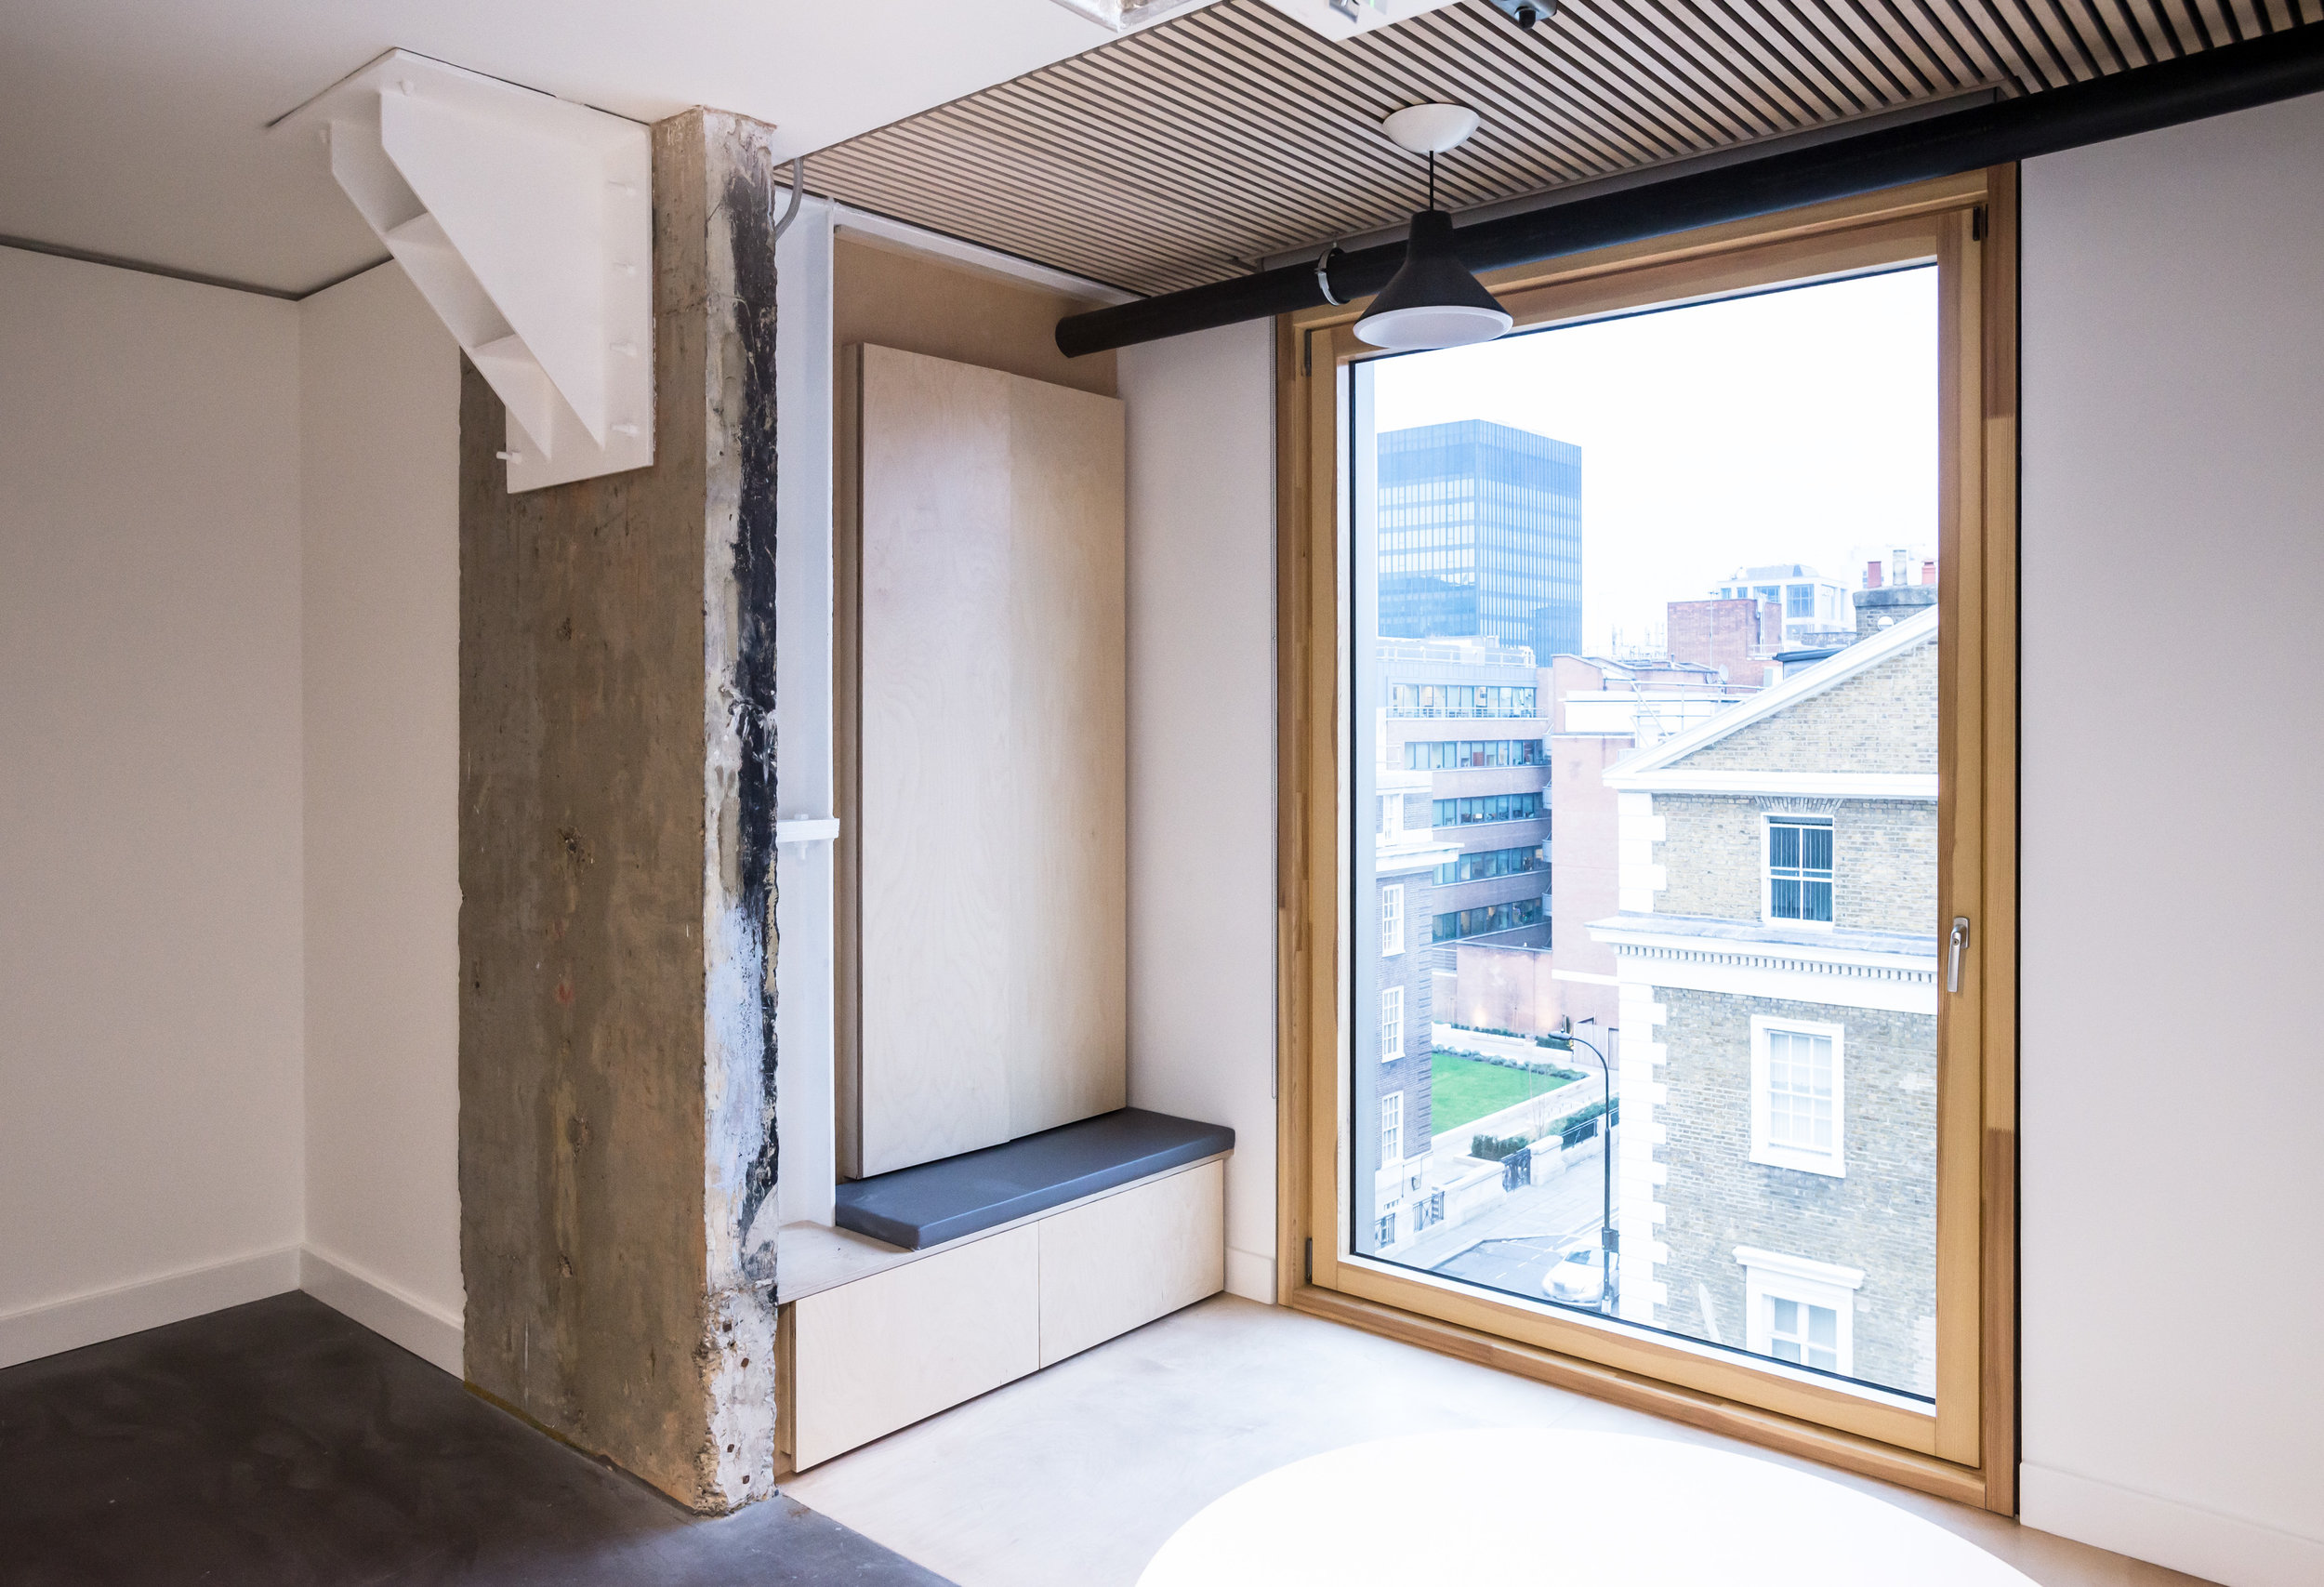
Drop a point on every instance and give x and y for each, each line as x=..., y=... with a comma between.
x=1075, y=1476
x=280, y=1443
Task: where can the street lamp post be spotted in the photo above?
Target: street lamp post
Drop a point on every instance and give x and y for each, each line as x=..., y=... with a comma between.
x=1609, y=1239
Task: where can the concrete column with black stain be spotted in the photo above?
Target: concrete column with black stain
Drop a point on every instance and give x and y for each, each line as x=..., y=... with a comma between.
x=617, y=786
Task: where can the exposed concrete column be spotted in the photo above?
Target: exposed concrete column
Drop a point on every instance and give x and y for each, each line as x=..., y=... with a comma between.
x=618, y=1152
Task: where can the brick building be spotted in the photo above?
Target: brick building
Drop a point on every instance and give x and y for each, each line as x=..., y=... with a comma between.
x=1775, y=964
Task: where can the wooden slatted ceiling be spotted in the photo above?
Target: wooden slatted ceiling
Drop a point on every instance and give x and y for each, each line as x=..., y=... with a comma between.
x=1181, y=154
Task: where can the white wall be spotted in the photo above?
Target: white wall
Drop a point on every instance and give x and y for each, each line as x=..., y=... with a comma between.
x=2173, y=862
x=1202, y=888
x=150, y=802
x=379, y=505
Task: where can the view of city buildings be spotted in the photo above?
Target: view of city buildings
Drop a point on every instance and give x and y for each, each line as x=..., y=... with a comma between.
x=1480, y=535
x=1712, y=860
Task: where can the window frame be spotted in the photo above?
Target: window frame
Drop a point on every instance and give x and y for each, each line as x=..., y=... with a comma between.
x=1391, y=997
x=1764, y=1149
x=1770, y=1276
x=1968, y=226
x=1391, y=930
x=1768, y=821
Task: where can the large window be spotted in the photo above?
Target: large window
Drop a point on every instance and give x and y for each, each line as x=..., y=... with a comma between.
x=1757, y=1162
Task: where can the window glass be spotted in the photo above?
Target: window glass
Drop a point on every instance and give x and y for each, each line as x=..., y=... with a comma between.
x=1809, y=1335
x=1800, y=1090
x=1799, y=871
x=1391, y=1024
x=1739, y=934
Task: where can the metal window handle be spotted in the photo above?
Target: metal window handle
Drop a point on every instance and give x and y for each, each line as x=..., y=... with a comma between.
x=1960, y=936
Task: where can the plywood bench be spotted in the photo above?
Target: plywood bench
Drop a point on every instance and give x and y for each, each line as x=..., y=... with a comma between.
x=950, y=1278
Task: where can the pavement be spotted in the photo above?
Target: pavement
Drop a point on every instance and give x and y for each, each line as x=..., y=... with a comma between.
x=1528, y=1227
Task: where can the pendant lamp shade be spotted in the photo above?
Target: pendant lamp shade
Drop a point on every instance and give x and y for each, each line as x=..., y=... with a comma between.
x=1434, y=301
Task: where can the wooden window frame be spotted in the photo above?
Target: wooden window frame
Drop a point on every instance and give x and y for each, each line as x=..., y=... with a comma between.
x=1968, y=1451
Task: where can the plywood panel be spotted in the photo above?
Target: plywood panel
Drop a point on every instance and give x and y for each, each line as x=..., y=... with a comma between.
x=990, y=778
x=934, y=822
x=883, y=1352
x=1116, y=1263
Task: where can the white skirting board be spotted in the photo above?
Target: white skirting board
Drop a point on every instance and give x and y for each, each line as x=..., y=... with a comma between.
x=394, y=1314
x=101, y=1315
x=2201, y=1542
x=427, y=1331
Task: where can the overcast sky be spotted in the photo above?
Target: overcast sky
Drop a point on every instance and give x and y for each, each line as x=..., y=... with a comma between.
x=1795, y=426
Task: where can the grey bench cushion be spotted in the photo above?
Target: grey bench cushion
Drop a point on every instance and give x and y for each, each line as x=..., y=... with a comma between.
x=930, y=1203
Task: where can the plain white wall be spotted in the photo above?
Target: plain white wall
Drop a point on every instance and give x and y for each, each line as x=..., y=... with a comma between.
x=1202, y=752
x=2174, y=860
x=379, y=505
x=150, y=800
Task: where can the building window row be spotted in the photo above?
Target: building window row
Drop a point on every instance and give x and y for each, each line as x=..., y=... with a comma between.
x=1454, y=754
x=1459, y=700
x=1486, y=808
x=1483, y=866
x=1486, y=918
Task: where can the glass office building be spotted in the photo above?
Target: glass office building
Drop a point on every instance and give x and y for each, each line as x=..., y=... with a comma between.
x=1480, y=535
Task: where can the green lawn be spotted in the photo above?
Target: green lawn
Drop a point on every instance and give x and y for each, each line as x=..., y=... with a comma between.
x=1463, y=1089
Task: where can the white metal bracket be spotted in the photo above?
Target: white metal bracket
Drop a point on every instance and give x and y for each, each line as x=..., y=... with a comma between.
x=806, y=829
x=527, y=223
x=1345, y=18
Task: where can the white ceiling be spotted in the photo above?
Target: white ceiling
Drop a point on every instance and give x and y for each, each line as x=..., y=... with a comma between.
x=135, y=128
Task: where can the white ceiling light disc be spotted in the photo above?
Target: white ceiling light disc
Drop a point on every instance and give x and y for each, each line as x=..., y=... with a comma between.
x=1431, y=129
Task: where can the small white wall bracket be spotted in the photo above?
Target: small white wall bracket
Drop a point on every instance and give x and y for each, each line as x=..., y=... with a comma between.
x=803, y=830
x=527, y=223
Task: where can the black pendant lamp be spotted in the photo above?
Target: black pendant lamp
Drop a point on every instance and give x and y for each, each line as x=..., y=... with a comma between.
x=1433, y=301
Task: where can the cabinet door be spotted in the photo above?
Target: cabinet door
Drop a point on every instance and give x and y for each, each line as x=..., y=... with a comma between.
x=883, y=1352
x=1114, y=1265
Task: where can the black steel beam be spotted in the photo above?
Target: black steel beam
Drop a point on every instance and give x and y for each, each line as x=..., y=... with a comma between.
x=2232, y=77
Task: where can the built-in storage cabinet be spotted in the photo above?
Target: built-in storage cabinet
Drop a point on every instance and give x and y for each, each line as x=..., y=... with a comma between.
x=984, y=868
x=882, y=1351
x=1120, y=1262
x=885, y=1351
x=999, y=1206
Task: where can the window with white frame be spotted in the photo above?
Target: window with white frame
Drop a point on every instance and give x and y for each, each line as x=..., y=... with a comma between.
x=1799, y=1310
x=1392, y=919
x=1392, y=814
x=1391, y=1024
x=1392, y=1128
x=1798, y=1095
x=1799, y=869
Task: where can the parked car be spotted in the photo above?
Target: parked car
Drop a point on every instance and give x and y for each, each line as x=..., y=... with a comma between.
x=1579, y=1277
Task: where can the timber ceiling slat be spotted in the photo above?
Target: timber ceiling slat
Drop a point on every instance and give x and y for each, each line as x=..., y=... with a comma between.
x=1185, y=152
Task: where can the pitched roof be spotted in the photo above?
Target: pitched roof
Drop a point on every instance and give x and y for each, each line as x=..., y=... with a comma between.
x=1657, y=767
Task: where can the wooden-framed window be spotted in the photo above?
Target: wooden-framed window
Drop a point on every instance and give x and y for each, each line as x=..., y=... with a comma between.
x=1903, y=1368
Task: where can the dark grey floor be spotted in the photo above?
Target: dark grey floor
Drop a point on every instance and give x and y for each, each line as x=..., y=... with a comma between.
x=280, y=1443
